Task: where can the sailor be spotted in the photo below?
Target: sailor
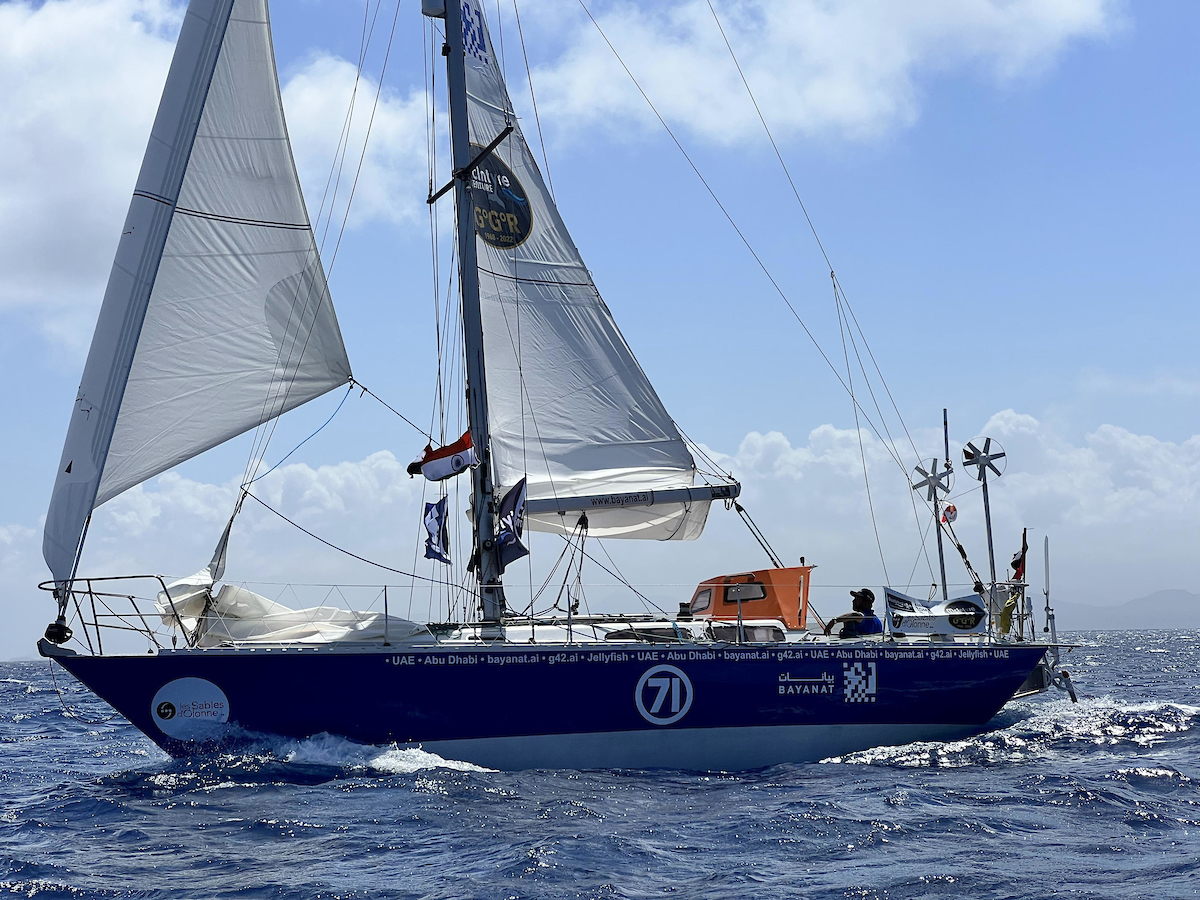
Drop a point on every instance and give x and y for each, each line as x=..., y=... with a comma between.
x=862, y=621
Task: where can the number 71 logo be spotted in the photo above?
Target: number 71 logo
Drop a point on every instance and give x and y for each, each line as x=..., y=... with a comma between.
x=663, y=695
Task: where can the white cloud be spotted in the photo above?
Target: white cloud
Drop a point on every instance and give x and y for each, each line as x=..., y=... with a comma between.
x=172, y=524
x=1121, y=509
x=392, y=184
x=81, y=81
x=848, y=68
x=1169, y=386
x=1116, y=495
x=1116, y=480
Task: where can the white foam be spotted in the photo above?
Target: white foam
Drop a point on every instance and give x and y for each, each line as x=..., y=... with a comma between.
x=1048, y=726
x=329, y=750
x=1154, y=772
x=402, y=760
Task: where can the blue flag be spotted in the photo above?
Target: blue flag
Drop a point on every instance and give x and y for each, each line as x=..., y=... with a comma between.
x=511, y=524
x=437, y=545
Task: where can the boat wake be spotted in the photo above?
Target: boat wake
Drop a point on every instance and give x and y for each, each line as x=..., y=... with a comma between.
x=266, y=759
x=326, y=749
x=1037, y=730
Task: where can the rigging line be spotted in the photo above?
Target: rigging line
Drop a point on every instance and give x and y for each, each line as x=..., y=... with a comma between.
x=522, y=396
x=843, y=304
x=341, y=162
x=429, y=63
x=333, y=546
x=349, y=388
x=729, y=218
x=757, y=534
x=433, y=415
x=969, y=490
x=367, y=137
x=581, y=530
x=264, y=433
x=446, y=353
x=840, y=295
x=503, y=64
x=875, y=363
x=646, y=601
x=524, y=388
x=523, y=399
x=573, y=548
x=434, y=224
x=412, y=585
x=812, y=227
x=917, y=561
x=962, y=551
x=342, y=229
x=840, y=299
x=522, y=391
x=354, y=383
x=858, y=430
x=537, y=120
x=771, y=137
x=721, y=472
x=74, y=715
x=254, y=458
x=344, y=136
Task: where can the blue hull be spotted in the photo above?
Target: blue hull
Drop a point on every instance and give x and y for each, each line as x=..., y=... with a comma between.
x=700, y=706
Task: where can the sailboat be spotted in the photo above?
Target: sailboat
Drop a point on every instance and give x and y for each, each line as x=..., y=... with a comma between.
x=217, y=319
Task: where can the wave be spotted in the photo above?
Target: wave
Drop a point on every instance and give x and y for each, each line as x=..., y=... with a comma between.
x=1041, y=729
x=264, y=759
x=327, y=749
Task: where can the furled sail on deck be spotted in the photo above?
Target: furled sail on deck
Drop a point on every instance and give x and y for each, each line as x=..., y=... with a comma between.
x=217, y=316
x=568, y=405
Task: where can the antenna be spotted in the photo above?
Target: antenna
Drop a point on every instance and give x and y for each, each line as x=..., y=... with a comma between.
x=1050, y=612
x=984, y=461
x=935, y=483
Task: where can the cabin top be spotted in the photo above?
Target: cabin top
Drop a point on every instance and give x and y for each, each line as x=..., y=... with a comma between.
x=762, y=594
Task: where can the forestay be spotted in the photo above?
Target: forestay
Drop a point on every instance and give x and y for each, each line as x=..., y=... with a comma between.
x=217, y=316
x=569, y=407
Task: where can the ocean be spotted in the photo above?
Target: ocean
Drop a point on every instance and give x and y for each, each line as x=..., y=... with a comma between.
x=1099, y=799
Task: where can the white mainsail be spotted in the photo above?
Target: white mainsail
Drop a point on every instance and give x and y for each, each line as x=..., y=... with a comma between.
x=217, y=316
x=569, y=407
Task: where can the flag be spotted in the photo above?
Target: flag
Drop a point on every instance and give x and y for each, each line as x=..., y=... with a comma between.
x=949, y=513
x=511, y=524
x=1018, y=560
x=444, y=462
x=437, y=545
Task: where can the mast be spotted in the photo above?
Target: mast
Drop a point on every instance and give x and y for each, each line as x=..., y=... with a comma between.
x=483, y=501
x=937, y=512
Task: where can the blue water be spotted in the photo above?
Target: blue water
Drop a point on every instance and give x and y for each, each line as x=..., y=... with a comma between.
x=1099, y=799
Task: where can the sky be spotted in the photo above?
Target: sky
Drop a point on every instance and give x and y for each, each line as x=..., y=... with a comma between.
x=1006, y=190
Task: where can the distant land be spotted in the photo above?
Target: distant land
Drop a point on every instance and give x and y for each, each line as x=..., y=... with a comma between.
x=1162, y=609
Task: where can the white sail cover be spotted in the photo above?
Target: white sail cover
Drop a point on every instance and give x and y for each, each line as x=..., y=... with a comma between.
x=568, y=405
x=217, y=316
x=235, y=615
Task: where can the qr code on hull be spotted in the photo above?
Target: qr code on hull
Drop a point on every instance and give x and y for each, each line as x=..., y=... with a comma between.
x=859, y=682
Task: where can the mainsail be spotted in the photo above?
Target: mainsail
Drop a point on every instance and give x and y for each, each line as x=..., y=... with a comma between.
x=217, y=316
x=569, y=407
